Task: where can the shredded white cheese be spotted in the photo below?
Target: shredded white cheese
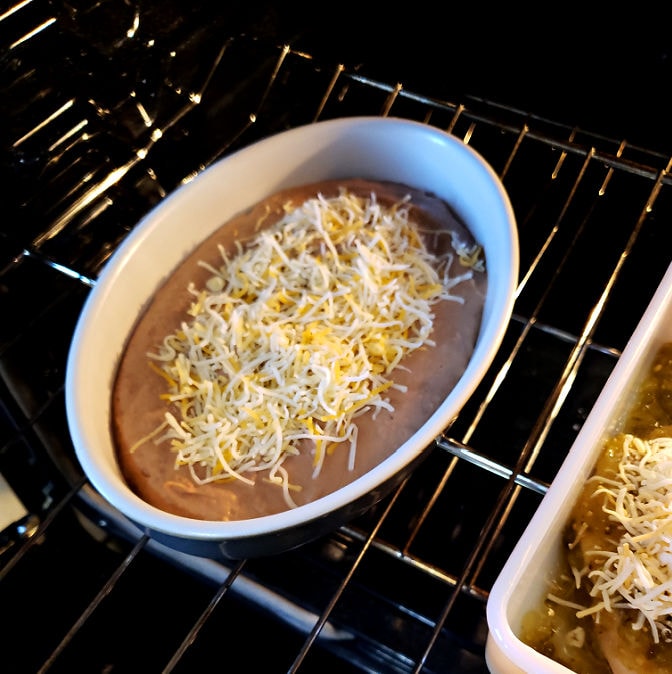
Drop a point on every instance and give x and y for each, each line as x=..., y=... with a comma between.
x=297, y=334
x=637, y=573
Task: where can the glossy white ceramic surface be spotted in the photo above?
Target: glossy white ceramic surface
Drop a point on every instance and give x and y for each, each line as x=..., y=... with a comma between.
x=372, y=147
x=522, y=582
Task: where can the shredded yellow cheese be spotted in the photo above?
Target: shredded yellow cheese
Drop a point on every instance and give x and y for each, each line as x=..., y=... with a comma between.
x=298, y=334
x=637, y=572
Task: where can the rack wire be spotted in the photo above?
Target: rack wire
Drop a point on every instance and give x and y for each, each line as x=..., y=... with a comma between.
x=91, y=148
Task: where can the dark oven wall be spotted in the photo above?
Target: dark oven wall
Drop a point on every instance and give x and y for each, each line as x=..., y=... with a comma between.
x=597, y=68
x=570, y=113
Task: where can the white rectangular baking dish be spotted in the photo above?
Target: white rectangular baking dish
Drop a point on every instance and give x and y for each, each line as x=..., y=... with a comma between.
x=523, y=581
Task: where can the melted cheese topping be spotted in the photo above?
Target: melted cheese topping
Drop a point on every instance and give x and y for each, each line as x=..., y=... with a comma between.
x=298, y=334
x=637, y=572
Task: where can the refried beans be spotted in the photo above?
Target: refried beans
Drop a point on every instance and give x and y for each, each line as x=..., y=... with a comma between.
x=428, y=373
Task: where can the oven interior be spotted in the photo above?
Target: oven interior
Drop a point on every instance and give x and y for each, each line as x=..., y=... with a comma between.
x=102, y=118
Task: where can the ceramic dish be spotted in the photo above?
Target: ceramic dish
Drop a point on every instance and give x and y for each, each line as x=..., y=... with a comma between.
x=524, y=579
x=372, y=147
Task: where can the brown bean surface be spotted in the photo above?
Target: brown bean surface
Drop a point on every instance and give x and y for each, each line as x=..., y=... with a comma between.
x=431, y=373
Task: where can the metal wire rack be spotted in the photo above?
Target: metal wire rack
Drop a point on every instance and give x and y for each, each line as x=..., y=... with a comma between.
x=91, y=147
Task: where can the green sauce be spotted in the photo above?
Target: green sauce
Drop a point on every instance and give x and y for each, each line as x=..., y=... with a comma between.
x=551, y=628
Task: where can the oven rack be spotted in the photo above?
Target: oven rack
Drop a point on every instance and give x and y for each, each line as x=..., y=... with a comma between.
x=92, y=147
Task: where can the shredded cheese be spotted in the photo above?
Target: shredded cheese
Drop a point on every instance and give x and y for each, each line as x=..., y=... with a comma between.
x=298, y=334
x=636, y=573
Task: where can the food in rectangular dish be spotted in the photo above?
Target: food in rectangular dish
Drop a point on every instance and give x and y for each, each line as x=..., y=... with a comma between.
x=587, y=587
